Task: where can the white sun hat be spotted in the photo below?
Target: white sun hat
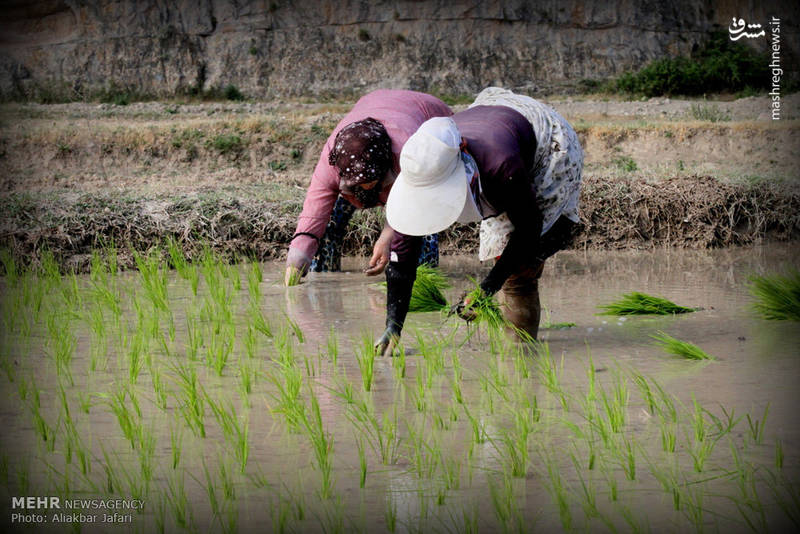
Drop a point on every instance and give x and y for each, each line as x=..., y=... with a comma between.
x=431, y=189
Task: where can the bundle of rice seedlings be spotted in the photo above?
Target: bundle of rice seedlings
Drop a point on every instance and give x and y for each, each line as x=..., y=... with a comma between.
x=680, y=348
x=427, y=294
x=485, y=308
x=777, y=296
x=637, y=303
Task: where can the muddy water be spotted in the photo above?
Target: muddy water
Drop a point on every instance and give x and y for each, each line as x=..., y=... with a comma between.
x=757, y=365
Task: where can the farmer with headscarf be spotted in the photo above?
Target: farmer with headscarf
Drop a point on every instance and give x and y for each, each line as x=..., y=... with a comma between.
x=356, y=169
x=508, y=161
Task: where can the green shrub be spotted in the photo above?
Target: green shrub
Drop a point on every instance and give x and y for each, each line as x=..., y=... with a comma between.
x=625, y=163
x=232, y=93
x=226, y=143
x=720, y=65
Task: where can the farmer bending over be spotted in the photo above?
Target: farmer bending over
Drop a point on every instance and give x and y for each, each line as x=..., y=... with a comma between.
x=356, y=169
x=508, y=161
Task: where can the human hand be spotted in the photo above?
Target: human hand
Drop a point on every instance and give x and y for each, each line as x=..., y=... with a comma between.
x=387, y=342
x=464, y=308
x=292, y=276
x=296, y=267
x=380, y=254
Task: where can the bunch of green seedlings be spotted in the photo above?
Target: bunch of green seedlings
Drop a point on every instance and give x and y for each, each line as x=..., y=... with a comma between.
x=777, y=297
x=680, y=348
x=637, y=303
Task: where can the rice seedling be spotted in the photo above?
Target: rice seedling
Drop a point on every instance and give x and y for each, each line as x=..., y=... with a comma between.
x=778, y=454
x=192, y=406
x=667, y=432
x=420, y=392
x=322, y=446
x=177, y=257
x=246, y=378
x=362, y=462
x=505, y=506
x=615, y=405
x=558, y=492
x=382, y=433
x=128, y=420
x=637, y=303
x=478, y=431
x=296, y=330
x=427, y=292
x=589, y=500
x=259, y=322
x=176, y=443
x=514, y=451
x=146, y=451
x=645, y=390
x=10, y=267
x=211, y=491
x=680, y=348
x=390, y=515
x=777, y=296
x=786, y=493
x=366, y=360
x=548, y=374
x=159, y=387
x=225, y=478
x=288, y=384
x=700, y=451
x=62, y=345
x=756, y=426
x=153, y=278
x=234, y=429
x=422, y=454
x=254, y=279
x=220, y=347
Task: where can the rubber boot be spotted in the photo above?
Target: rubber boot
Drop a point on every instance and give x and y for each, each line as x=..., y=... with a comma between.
x=519, y=299
x=523, y=310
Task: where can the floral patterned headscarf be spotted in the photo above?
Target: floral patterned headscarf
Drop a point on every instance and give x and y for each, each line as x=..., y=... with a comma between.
x=362, y=153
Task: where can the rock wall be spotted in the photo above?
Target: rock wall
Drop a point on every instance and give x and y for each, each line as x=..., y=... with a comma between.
x=321, y=47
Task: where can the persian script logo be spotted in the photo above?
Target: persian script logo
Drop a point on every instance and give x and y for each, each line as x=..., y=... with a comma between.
x=737, y=27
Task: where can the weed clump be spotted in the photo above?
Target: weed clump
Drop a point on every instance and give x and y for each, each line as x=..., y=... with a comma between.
x=637, y=303
x=680, y=348
x=777, y=296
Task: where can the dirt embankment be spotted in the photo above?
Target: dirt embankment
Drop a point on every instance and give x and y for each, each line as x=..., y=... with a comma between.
x=75, y=177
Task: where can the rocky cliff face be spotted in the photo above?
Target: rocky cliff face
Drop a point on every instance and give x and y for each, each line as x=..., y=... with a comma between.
x=319, y=47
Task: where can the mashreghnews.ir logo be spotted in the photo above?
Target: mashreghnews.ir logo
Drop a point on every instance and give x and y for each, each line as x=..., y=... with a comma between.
x=739, y=29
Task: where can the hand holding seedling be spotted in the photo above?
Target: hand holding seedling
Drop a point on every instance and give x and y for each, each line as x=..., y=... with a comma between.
x=387, y=343
x=292, y=276
x=464, y=308
x=380, y=252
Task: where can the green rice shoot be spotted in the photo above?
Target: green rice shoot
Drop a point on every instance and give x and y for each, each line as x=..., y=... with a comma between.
x=427, y=293
x=777, y=297
x=637, y=303
x=680, y=348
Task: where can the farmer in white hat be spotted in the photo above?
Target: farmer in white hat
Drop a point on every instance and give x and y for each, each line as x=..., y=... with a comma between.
x=508, y=161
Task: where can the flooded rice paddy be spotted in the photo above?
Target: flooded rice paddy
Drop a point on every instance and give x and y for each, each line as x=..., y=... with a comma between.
x=223, y=401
